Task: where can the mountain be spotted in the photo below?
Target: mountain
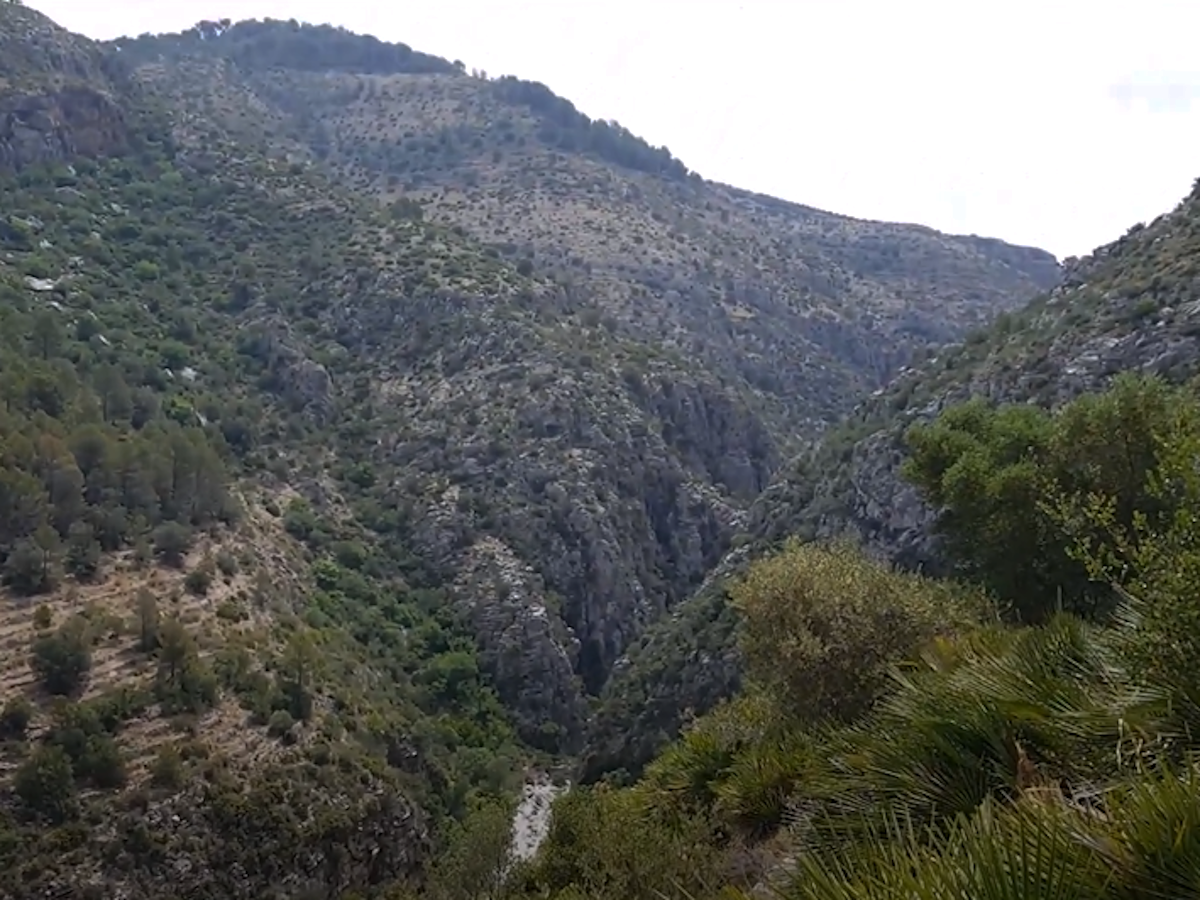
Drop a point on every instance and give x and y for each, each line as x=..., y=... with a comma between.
x=807, y=308
x=331, y=501
x=1131, y=306
x=761, y=322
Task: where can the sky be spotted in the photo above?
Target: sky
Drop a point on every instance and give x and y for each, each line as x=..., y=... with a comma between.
x=1056, y=124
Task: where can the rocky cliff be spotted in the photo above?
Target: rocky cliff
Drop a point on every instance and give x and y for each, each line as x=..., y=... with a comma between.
x=56, y=94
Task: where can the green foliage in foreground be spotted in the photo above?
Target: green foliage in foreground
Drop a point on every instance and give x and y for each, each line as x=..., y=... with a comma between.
x=989, y=760
x=993, y=472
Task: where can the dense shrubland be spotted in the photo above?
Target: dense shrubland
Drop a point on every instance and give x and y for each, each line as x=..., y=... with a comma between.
x=1024, y=732
x=146, y=394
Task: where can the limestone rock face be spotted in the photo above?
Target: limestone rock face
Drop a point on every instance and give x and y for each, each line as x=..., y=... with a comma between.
x=57, y=103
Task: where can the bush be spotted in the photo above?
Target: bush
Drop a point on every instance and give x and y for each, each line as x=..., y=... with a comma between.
x=45, y=784
x=43, y=617
x=63, y=658
x=604, y=845
x=821, y=625
x=227, y=564
x=167, y=771
x=281, y=723
x=172, y=542
x=199, y=580
x=15, y=718
x=991, y=469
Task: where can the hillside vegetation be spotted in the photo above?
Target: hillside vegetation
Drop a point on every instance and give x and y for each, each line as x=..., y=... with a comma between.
x=1129, y=306
x=707, y=334
x=330, y=498
x=221, y=660
x=900, y=736
x=806, y=308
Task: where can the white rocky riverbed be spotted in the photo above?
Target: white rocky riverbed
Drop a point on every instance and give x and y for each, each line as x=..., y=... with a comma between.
x=531, y=822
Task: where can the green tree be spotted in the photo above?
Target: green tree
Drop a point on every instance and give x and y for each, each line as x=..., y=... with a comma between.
x=300, y=664
x=607, y=845
x=47, y=542
x=172, y=541
x=62, y=659
x=45, y=784
x=185, y=683
x=984, y=469
x=64, y=487
x=116, y=400
x=989, y=470
x=83, y=550
x=477, y=855
x=15, y=718
x=177, y=648
x=25, y=570
x=47, y=334
x=1150, y=559
x=149, y=620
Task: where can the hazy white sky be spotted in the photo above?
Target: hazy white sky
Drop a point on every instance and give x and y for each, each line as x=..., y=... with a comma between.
x=1058, y=123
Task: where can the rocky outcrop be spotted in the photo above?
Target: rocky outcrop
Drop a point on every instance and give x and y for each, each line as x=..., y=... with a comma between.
x=305, y=383
x=74, y=121
x=530, y=652
x=57, y=103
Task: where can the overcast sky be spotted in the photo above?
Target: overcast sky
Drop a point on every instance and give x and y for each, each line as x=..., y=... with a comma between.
x=1057, y=124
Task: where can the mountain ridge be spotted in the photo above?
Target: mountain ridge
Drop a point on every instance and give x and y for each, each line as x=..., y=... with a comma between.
x=430, y=111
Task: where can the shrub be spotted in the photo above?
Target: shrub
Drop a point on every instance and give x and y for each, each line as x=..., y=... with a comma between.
x=167, y=770
x=172, y=542
x=227, y=564
x=199, y=580
x=281, y=723
x=15, y=718
x=990, y=471
x=821, y=625
x=45, y=784
x=63, y=658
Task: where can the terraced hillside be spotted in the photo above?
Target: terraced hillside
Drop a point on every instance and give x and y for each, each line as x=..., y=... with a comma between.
x=223, y=664
x=1132, y=305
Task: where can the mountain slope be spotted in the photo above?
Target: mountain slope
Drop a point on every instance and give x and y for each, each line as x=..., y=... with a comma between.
x=216, y=680
x=808, y=308
x=1133, y=305
x=322, y=515
x=708, y=332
